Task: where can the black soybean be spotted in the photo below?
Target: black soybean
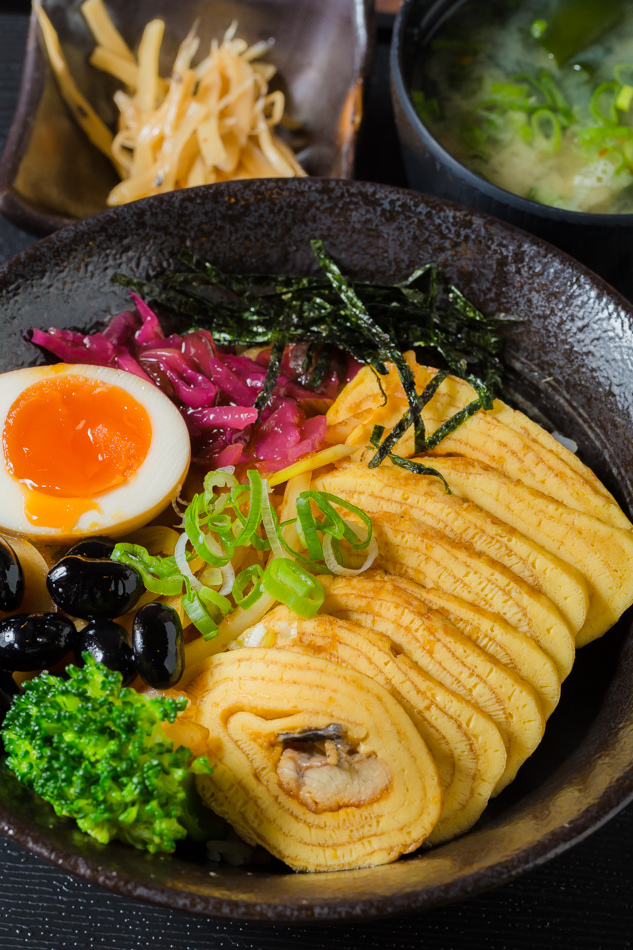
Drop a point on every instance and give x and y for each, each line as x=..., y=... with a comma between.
x=107, y=641
x=90, y=589
x=100, y=547
x=34, y=641
x=11, y=578
x=158, y=645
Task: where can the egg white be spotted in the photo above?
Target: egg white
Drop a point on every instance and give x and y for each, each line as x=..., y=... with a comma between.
x=144, y=495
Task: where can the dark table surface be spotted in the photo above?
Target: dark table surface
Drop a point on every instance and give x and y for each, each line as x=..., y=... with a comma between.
x=582, y=899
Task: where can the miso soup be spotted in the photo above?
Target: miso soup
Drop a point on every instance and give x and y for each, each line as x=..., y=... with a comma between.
x=536, y=97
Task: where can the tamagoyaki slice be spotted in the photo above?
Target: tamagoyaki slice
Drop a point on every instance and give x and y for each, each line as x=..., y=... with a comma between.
x=442, y=651
x=425, y=499
x=363, y=790
x=433, y=560
x=603, y=554
x=466, y=746
x=486, y=436
x=514, y=649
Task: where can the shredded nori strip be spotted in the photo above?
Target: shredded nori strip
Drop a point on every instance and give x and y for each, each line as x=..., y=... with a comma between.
x=411, y=465
x=484, y=400
x=380, y=386
x=374, y=323
x=363, y=322
x=274, y=365
x=420, y=440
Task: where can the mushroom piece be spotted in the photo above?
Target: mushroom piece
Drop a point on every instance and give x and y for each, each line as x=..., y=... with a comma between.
x=321, y=771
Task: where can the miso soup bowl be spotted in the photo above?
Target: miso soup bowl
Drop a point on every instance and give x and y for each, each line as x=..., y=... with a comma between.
x=604, y=242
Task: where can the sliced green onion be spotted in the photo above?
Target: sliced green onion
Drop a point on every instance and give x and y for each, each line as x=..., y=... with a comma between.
x=250, y=575
x=508, y=95
x=315, y=567
x=602, y=105
x=199, y=607
x=250, y=524
x=160, y=575
x=538, y=28
x=623, y=98
x=334, y=524
x=334, y=560
x=546, y=131
x=556, y=97
x=202, y=543
x=271, y=527
x=228, y=577
x=215, y=602
x=180, y=554
x=627, y=151
x=292, y=585
x=538, y=95
x=611, y=135
x=308, y=527
x=221, y=478
x=211, y=576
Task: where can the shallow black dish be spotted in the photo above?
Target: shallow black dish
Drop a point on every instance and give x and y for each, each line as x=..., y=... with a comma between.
x=572, y=357
x=603, y=242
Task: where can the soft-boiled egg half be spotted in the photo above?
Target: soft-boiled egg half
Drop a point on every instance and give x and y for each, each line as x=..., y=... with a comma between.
x=86, y=450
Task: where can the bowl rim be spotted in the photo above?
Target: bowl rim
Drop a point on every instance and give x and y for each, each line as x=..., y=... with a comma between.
x=472, y=179
x=590, y=816
x=20, y=212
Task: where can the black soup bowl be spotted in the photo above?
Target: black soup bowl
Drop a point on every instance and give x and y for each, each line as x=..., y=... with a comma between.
x=570, y=357
x=603, y=242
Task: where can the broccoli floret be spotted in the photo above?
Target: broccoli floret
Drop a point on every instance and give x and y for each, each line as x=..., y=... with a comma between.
x=97, y=753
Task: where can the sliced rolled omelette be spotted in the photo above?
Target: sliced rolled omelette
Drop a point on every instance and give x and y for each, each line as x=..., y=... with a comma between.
x=603, y=554
x=326, y=771
x=509, y=468
x=466, y=746
x=423, y=499
x=440, y=649
x=501, y=437
x=432, y=560
x=490, y=632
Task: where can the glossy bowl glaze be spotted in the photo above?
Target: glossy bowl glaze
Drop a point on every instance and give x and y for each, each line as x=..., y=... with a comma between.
x=51, y=175
x=602, y=241
x=571, y=357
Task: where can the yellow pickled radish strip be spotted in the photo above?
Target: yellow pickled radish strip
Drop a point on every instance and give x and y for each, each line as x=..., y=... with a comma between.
x=199, y=651
x=311, y=462
x=148, y=52
x=294, y=487
x=120, y=68
x=104, y=30
x=212, y=122
x=96, y=130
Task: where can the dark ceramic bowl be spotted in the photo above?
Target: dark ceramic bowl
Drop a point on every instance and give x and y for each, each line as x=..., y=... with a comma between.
x=603, y=242
x=571, y=357
x=51, y=175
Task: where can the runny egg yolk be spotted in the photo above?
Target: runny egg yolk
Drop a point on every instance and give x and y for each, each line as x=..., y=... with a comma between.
x=68, y=439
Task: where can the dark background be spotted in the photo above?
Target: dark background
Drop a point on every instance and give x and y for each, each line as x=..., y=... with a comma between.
x=580, y=900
